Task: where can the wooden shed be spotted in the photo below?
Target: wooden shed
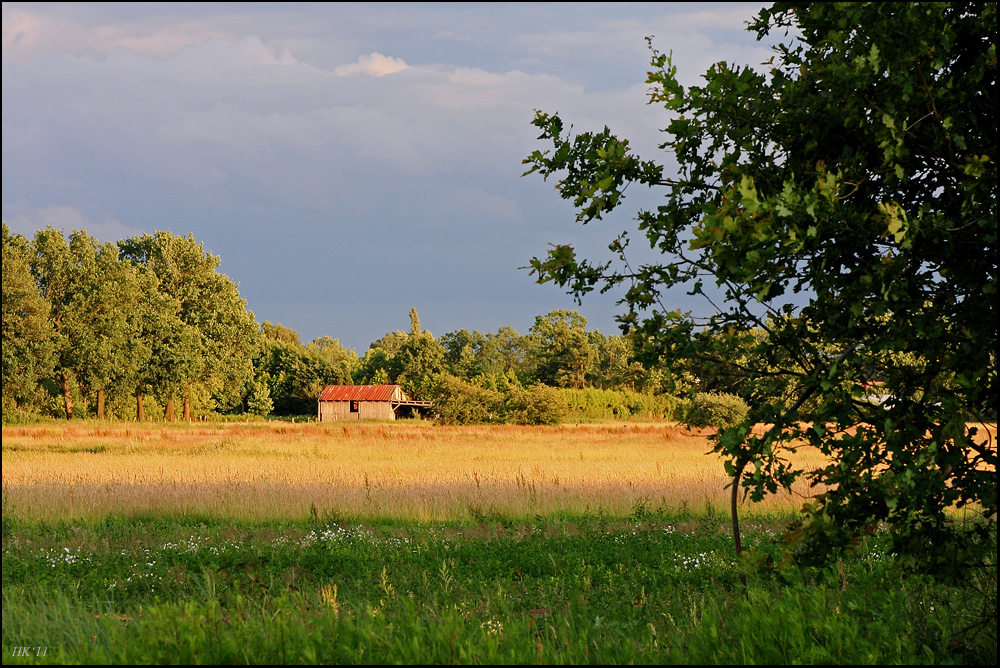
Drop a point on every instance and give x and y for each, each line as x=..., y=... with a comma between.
x=364, y=402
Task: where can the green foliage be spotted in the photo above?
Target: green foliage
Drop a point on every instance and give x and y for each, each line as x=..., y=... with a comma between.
x=280, y=333
x=259, y=396
x=539, y=404
x=460, y=402
x=614, y=366
x=28, y=336
x=414, y=322
x=91, y=296
x=215, y=336
x=596, y=404
x=728, y=364
x=558, y=352
x=296, y=373
x=473, y=354
x=711, y=409
x=419, y=359
x=844, y=200
x=463, y=353
x=95, y=328
x=410, y=360
x=562, y=348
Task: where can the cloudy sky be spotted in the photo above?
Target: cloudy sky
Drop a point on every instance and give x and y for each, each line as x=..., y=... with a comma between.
x=346, y=162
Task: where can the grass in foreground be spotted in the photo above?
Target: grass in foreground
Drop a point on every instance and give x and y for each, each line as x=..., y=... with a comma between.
x=652, y=588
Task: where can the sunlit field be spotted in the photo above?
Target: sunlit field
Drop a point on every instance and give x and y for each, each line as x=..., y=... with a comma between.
x=402, y=470
x=409, y=542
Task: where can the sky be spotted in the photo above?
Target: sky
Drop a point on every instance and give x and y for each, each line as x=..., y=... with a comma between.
x=346, y=162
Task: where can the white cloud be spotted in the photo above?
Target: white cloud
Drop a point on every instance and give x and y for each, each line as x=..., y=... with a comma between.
x=374, y=64
x=28, y=33
x=252, y=49
x=730, y=17
x=67, y=218
x=156, y=42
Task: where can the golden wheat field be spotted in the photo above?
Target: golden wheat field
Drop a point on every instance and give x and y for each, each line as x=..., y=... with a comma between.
x=403, y=470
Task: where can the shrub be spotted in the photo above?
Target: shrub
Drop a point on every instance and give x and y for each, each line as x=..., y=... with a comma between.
x=597, y=404
x=711, y=409
x=459, y=402
x=538, y=405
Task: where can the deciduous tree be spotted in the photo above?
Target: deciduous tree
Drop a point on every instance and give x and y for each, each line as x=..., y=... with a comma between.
x=91, y=295
x=218, y=335
x=294, y=373
x=28, y=337
x=843, y=200
x=562, y=349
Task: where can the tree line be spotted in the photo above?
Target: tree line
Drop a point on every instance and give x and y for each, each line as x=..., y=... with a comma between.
x=89, y=327
x=148, y=328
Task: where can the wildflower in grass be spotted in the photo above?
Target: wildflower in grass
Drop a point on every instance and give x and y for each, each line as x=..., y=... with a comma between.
x=56, y=557
x=690, y=563
x=493, y=627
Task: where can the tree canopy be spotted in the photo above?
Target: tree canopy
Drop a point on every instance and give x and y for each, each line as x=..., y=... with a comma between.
x=28, y=344
x=219, y=334
x=85, y=320
x=842, y=199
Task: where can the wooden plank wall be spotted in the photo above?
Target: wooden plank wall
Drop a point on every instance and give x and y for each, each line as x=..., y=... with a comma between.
x=368, y=410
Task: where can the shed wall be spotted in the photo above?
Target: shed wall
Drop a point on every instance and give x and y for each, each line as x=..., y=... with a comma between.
x=367, y=410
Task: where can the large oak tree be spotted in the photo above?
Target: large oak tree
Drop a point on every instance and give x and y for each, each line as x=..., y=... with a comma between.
x=843, y=200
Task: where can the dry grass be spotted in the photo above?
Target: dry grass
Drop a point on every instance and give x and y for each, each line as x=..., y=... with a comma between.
x=404, y=470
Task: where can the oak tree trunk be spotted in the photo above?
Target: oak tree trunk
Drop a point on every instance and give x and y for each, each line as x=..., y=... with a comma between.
x=169, y=414
x=140, y=412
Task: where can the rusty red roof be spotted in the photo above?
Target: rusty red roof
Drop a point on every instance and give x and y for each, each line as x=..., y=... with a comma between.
x=363, y=393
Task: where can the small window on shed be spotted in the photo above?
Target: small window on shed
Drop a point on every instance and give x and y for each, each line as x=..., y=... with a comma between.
x=355, y=406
